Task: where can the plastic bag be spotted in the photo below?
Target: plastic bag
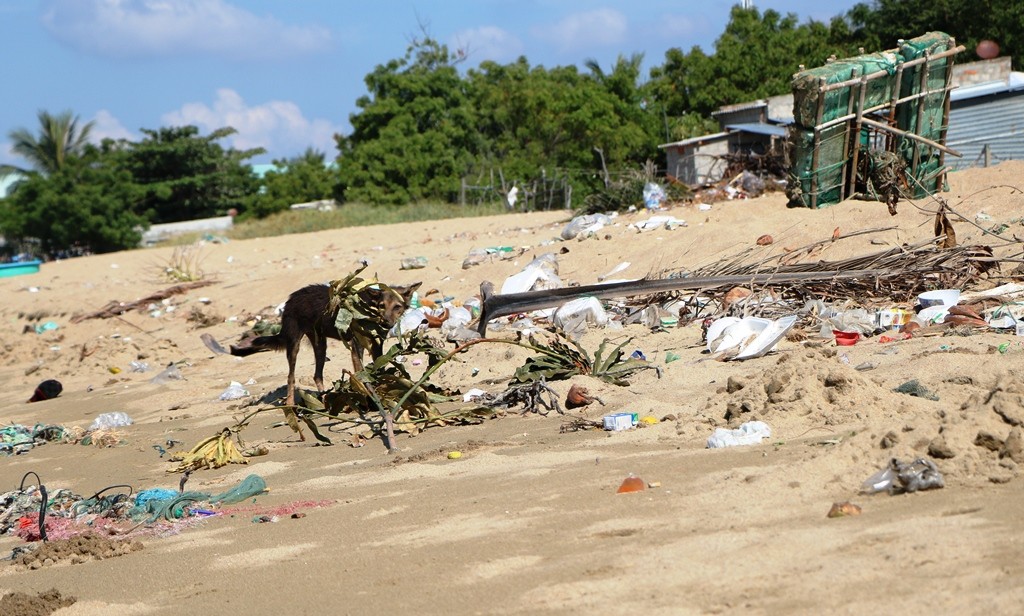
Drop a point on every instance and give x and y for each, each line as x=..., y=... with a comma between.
x=541, y=273
x=749, y=433
x=106, y=421
x=654, y=194
x=234, y=391
x=170, y=373
x=904, y=477
x=584, y=226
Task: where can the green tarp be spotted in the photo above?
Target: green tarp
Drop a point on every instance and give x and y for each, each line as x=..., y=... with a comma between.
x=835, y=147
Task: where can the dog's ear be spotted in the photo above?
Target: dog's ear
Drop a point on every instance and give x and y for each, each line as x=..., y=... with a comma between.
x=373, y=293
x=407, y=291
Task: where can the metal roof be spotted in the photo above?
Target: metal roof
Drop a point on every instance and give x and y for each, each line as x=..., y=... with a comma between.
x=759, y=128
x=693, y=140
x=740, y=107
x=995, y=121
x=1014, y=83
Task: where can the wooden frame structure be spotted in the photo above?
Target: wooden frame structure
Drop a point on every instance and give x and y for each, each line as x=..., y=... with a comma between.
x=884, y=123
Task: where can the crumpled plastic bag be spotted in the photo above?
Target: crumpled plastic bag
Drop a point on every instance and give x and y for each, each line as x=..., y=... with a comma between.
x=749, y=433
x=106, y=421
x=234, y=391
x=541, y=273
x=584, y=226
x=904, y=477
x=654, y=194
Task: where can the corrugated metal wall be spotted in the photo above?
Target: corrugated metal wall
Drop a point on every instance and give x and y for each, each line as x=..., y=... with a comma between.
x=995, y=120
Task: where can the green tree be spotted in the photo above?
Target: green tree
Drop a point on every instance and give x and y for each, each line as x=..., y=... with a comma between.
x=60, y=138
x=88, y=202
x=755, y=57
x=186, y=175
x=413, y=137
x=535, y=120
x=881, y=23
x=300, y=179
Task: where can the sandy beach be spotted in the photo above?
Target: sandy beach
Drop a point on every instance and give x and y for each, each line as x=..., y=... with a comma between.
x=527, y=520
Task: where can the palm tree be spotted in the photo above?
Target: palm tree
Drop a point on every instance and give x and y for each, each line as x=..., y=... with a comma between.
x=59, y=138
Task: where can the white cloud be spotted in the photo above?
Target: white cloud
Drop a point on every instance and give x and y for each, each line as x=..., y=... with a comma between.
x=134, y=28
x=278, y=126
x=585, y=30
x=106, y=126
x=487, y=43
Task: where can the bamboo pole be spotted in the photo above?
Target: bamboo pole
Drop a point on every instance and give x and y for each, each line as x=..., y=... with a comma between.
x=816, y=144
x=846, y=152
x=920, y=115
x=857, y=125
x=941, y=180
x=903, y=133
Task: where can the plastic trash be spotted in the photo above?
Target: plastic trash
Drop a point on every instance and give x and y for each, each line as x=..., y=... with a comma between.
x=473, y=394
x=589, y=309
x=458, y=317
x=659, y=222
x=512, y=197
x=106, y=421
x=541, y=273
x=49, y=326
x=584, y=226
x=170, y=373
x=138, y=366
x=234, y=392
x=904, y=477
x=618, y=268
x=414, y=263
x=632, y=483
x=749, y=433
x=750, y=337
x=751, y=184
x=654, y=194
x=410, y=321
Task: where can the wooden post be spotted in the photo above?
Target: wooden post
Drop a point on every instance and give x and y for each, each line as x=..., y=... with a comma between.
x=912, y=136
x=857, y=124
x=897, y=86
x=843, y=192
x=816, y=143
x=920, y=113
x=462, y=192
x=941, y=179
x=986, y=153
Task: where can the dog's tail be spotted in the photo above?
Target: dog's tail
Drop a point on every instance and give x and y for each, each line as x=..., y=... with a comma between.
x=258, y=345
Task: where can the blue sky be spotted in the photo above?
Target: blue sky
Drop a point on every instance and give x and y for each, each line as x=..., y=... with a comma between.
x=287, y=73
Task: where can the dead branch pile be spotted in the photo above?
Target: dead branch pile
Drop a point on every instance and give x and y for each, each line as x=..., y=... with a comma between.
x=901, y=273
x=116, y=308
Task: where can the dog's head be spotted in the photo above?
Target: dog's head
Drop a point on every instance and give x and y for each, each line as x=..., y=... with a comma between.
x=393, y=301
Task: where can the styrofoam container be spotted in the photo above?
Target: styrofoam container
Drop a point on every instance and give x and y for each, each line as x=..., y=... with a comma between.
x=939, y=297
x=620, y=421
x=933, y=314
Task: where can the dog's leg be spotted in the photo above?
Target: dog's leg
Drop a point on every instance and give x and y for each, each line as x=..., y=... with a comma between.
x=292, y=350
x=320, y=357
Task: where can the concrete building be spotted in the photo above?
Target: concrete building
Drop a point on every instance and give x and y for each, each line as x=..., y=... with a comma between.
x=756, y=127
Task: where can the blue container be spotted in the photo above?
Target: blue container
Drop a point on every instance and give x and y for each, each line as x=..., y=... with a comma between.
x=17, y=269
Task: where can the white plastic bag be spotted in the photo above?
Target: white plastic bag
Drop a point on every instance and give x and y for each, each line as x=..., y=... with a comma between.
x=106, y=421
x=749, y=433
x=234, y=391
x=654, y=194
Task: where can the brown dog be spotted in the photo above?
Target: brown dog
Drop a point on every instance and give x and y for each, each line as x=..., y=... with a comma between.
x=307, y=313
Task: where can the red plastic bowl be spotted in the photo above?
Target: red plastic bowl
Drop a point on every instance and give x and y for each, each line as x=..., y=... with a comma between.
x=846, y=338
